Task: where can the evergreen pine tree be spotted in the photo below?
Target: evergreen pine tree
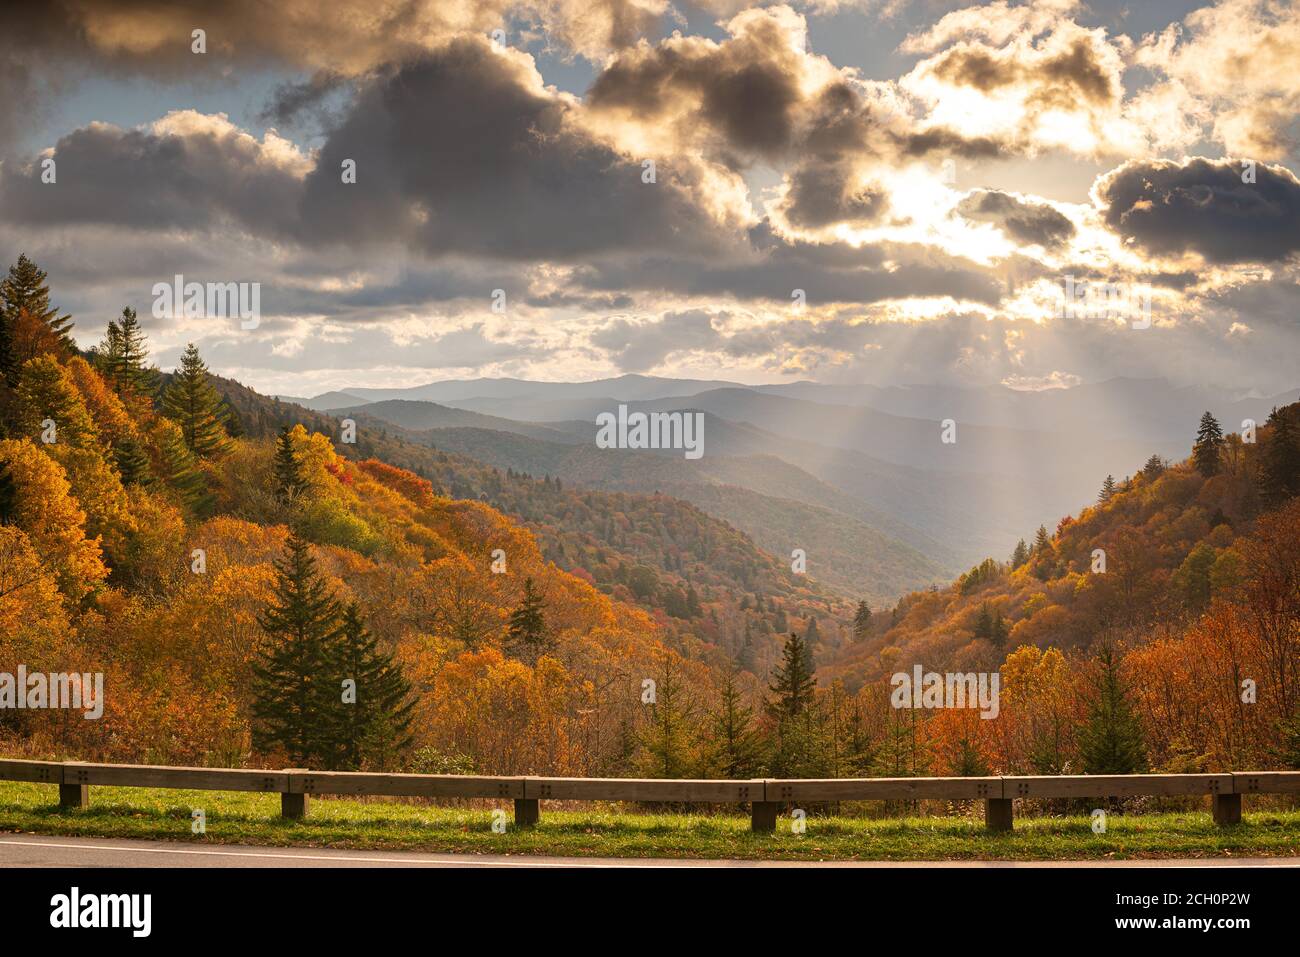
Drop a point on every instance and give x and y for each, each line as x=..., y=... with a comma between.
x=1110, y=742
x=1107, y=489
x=738, y=749
x=25, y=288
x=667, y=741
x=234, y=422
x=132, y=462
x=375, y=724
x=528, y=636
x=1154, y=468
x=8, y=494
x=970, y=763
x=1000, y=632
x=1209, y=445
x=794, y=682
x=862, y=620
x=122, y=354
x=1280, y=459
x=1042, y=542
x=193, y=404
x=7, y=364
x=181, y=472
x=1020, y=555
x=290, y=484
x=295, y=691
x=1287, y=751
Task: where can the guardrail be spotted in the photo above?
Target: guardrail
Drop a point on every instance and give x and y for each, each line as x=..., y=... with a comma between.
x=765, y=796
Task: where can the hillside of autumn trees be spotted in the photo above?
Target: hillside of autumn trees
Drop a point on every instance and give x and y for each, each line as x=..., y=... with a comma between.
x=712, y=593
x=231, y=566
x=1178, y=591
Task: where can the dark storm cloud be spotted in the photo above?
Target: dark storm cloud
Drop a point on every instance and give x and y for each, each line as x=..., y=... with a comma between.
x=194, y=174
x=1202, y=206
x=458, y=152
x=48, y=44
x=745, y=90
x=1026, y=222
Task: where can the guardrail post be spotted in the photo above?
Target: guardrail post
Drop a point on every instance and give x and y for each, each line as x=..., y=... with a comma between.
x=293, y=802
x=74, y=796
x=1227, y=809
x=998, y=814
x=527, y=812
x=762, y=819
x=73, y=791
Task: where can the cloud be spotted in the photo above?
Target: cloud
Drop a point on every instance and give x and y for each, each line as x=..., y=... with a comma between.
x=504, y=170
x=773, y=268
x=1026, y=78
x=1234, y=65
x=1021, y=219
x=48, y=44
x=1202, y=206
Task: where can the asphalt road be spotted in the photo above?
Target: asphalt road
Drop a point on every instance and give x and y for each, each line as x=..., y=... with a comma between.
x=34, y=850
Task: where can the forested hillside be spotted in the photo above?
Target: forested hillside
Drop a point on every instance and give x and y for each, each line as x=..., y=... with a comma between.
x=711, y=591
x=1180, y=587
x=256, y=589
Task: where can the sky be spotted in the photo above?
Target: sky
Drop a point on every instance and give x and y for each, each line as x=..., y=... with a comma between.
x=879, y=191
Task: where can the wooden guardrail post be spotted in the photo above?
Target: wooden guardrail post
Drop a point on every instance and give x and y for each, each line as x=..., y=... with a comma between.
x=528, y=807
x=1227, y=809
x=527, y=812
x=998, y=815
x=74, y=792
x=293, y=802
x=762, y=816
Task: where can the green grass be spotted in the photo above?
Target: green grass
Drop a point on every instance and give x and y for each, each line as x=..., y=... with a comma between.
x=254, y=819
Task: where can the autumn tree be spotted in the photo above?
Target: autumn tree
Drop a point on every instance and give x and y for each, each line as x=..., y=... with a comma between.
x=42, y=506
x=45, y=393
x=295, y=692
x=1207, y=451
x=193, y=403
x=26, y=289
x=374, y=719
